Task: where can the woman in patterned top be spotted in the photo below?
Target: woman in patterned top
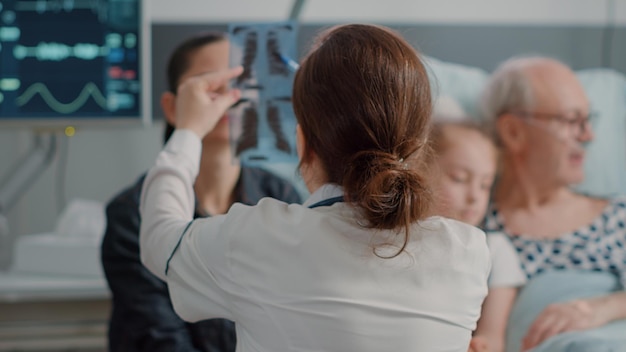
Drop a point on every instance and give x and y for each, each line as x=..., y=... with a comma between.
x=540, y=114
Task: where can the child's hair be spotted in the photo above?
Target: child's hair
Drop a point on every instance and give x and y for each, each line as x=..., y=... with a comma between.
x=438, y=141
x=448, y=112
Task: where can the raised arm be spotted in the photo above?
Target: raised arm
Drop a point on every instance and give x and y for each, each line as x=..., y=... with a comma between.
x=167, y=198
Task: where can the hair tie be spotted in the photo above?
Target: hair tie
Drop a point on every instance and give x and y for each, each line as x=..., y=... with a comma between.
x=405, y=166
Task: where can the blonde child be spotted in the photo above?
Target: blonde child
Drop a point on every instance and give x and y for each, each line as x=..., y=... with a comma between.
x=465, y=163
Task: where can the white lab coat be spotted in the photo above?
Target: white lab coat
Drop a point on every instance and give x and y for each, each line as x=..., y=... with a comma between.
x=295, y=278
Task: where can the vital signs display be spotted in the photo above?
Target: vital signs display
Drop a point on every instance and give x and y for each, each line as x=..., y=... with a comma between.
x=73, y=61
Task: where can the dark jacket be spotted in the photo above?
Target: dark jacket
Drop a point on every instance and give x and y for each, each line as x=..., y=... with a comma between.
x=142, y=317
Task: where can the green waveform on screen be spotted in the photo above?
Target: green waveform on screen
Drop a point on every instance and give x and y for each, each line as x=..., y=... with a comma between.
x=89, y=90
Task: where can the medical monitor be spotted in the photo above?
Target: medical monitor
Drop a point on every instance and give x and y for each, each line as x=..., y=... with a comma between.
x=74, y=62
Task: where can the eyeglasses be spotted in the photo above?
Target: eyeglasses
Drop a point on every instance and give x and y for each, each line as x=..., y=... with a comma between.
x=576, y=125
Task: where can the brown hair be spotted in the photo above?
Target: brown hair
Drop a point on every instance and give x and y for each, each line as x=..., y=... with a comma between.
x=362, y=98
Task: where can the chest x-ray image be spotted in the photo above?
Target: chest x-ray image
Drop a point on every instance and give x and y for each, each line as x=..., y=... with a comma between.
x=262, y=124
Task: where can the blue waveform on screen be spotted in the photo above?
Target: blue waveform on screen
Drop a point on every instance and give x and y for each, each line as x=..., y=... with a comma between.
x=58, y=51
x=89, y=90
x=98, y=7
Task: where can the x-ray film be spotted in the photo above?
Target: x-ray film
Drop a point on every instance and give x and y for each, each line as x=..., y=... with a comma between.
x=262, y=123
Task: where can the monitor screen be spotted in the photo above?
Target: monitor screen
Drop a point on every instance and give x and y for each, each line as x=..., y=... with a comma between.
x=74, y=62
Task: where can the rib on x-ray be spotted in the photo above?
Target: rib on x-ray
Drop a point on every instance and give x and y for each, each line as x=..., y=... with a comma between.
x=262, y=124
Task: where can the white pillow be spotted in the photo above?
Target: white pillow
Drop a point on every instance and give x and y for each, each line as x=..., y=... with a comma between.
x=462, y=83
x=605, y=166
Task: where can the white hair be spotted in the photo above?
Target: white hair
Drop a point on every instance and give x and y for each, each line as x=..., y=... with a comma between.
x=509, y=87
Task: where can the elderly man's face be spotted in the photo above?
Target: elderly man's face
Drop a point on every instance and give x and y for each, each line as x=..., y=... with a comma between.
x=558, y=126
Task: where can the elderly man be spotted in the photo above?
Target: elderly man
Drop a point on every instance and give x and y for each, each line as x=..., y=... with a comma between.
x=541, y=117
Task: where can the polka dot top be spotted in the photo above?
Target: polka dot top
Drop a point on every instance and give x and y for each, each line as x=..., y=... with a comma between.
x=599, y=246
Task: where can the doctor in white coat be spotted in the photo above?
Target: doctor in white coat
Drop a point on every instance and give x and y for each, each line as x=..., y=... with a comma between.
x=360, y=266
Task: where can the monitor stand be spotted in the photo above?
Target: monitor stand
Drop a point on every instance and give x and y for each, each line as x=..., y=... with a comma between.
x=17, y=182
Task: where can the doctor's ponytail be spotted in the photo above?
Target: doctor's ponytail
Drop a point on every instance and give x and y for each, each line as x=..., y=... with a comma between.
x=362, y=99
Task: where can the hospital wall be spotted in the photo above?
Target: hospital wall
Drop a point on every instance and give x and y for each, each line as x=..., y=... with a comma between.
x=97, y=162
